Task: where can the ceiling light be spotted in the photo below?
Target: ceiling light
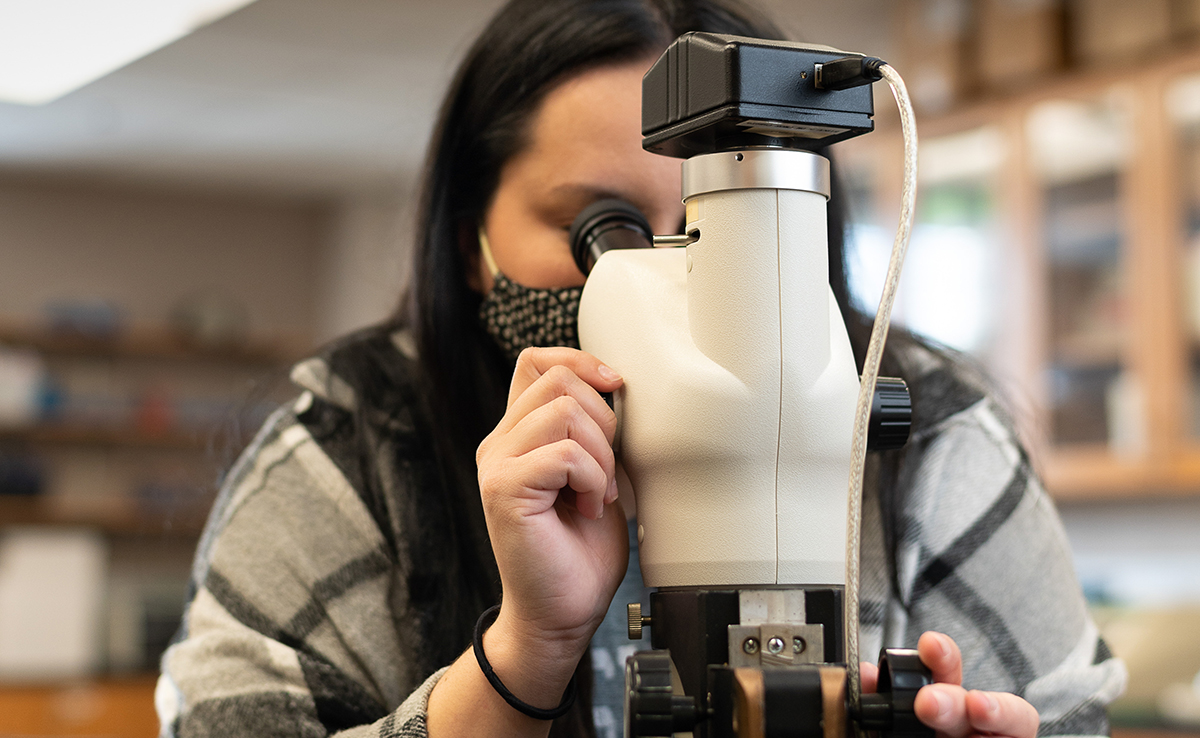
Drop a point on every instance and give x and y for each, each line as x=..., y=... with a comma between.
x=51, y=47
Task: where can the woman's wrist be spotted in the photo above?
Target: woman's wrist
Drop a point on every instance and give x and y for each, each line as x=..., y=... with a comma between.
x=535, y=665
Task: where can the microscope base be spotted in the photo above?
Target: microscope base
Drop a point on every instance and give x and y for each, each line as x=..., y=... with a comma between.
x=761, y=662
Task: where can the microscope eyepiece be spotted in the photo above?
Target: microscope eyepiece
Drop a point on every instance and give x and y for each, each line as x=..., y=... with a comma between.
x=605, y=225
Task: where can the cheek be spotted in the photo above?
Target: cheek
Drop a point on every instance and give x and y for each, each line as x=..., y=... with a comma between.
x=529, y=251
x=546, y=261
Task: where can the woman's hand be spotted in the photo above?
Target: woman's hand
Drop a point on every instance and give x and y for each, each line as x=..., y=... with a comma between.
x=953, y=711
x=548, y=482
x=546, y=476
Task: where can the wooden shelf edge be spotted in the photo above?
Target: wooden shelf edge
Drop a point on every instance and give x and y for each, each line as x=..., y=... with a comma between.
x=122, y=518
x=152, y=343
x=1095, y=473
x=1121, y=731
x=104, y=680
x=87, y=435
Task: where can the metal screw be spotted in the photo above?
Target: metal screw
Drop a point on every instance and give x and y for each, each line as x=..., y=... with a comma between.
x=798, y=645
x=750, y=645
x=804, y=75
x=775, y=645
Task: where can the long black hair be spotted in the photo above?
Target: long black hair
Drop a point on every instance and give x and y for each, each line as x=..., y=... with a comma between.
x=527, y=50
x=529, y=47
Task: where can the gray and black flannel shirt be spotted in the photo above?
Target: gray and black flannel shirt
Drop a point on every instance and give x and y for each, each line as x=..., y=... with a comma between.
x=295, y=625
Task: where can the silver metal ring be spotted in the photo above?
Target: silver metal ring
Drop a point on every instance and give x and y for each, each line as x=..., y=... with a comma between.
x=772, y=169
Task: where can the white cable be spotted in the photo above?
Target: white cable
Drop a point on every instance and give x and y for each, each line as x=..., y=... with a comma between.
x=871, y=372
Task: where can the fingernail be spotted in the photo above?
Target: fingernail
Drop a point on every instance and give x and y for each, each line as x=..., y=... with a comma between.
x=608, y=374
x=992, y=704
x=943, y=645
x=613, y=492
x=942, y=702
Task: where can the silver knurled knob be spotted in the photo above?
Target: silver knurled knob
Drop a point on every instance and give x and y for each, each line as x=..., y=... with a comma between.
x=636, y=620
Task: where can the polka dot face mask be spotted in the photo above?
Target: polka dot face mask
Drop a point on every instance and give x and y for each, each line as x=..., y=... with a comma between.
x=518, y=317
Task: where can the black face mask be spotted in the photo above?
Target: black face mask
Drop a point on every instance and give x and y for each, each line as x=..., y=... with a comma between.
x=518, y=317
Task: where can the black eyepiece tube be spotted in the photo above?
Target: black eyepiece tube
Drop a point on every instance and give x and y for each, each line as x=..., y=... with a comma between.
x=605, y=225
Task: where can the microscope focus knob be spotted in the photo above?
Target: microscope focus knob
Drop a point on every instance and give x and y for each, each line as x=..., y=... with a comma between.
x=891, y=415
x=890, y=709
x=652, y=709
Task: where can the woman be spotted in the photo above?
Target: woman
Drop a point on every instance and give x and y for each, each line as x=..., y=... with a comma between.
x=349, y=556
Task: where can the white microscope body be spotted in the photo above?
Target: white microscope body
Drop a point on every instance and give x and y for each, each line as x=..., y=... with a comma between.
x=736, y=416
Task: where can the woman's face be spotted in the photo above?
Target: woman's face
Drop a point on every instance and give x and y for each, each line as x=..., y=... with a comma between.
x=584, y=145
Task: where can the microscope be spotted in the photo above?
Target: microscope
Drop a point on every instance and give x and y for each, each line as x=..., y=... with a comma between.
x=737, y=419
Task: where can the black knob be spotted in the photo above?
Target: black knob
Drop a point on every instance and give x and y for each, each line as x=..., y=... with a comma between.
x=890, y=709
x=605, y=225
x=652, y=709
x=891, y=415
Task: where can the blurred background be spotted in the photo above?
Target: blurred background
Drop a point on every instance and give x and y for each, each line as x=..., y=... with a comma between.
x=193, y=212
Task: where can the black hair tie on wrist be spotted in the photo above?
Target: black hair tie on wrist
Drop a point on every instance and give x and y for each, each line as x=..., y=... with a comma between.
x=486, y=619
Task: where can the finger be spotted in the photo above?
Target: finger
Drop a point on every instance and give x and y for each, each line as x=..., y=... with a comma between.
x=868, y=677
x=533, y=363
x=548, y=469
x=564, y=418
x=561, y=381
x=940, y=653
x=943, y=707
x=1001, y=713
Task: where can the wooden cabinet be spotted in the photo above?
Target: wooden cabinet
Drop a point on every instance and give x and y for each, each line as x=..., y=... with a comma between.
x=1091, y=208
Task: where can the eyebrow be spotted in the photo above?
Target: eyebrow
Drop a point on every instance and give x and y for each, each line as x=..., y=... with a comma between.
x=582, y=191
x=565, y=201
x=573, y=192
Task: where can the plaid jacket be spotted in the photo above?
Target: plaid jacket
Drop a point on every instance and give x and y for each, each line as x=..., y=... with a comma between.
x=298, y=616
